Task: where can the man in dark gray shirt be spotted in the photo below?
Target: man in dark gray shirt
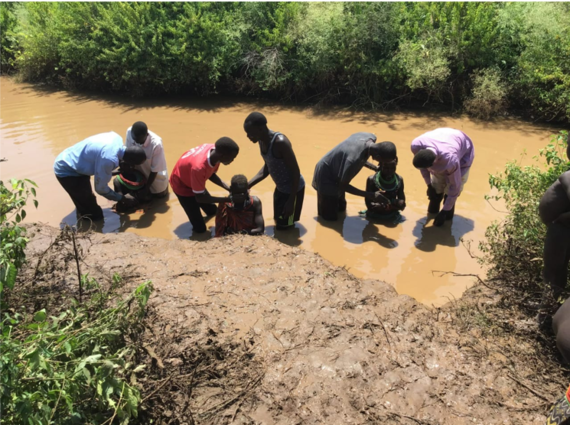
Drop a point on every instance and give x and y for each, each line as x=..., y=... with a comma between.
x=334, y=172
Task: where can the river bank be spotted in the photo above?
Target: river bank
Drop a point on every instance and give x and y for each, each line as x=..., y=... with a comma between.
x=250, y=330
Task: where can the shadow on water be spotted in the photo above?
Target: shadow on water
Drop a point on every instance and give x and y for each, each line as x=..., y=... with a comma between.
x=156, y=206
x=291, y=237
x=185, y=231
x=371, y=231
x=356, y=230
x=420, y=118
x=115, y=223
x=429, y=236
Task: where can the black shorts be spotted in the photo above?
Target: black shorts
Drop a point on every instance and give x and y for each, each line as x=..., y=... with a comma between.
x=279, y=201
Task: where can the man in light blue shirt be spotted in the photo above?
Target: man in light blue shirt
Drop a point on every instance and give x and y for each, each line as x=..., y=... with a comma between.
x=95, y=156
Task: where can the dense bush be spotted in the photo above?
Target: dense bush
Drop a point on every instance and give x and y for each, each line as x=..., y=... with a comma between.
x=489, y=94
x=8, y=39
x=370, y=54
x=513, y=247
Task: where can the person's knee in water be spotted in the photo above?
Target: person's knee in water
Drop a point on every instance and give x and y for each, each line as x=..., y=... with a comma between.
x=243, y=213
x=391, y=184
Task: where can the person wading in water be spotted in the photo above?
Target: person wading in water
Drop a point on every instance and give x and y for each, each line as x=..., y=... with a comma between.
x=444, y=157
x=281, y=164
x=335, y=171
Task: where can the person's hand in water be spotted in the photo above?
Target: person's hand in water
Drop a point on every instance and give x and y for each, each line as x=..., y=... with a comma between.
x=440, y=218
x=380, y=198
x=125, y=204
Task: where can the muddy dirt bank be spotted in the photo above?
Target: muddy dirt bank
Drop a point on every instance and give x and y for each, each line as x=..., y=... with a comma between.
x=249, y=330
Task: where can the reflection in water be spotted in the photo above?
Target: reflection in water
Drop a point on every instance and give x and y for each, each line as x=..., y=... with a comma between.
x=36, y=124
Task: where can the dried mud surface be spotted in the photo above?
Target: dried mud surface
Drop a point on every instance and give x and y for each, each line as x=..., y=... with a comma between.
x=247, y=330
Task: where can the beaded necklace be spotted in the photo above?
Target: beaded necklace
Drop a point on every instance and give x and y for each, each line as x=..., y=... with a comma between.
x=385, y=184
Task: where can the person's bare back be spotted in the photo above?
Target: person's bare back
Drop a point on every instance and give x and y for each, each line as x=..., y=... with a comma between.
x=555, y=200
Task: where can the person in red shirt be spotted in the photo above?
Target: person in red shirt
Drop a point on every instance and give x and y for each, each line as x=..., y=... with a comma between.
x=193, y=169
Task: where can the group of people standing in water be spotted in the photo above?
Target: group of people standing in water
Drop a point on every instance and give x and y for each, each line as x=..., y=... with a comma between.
x=443, y=157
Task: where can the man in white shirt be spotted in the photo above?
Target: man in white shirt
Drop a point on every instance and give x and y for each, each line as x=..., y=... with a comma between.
x=154, y=168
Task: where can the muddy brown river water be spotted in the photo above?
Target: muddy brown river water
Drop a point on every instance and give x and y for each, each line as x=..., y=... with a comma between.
x=36, y=124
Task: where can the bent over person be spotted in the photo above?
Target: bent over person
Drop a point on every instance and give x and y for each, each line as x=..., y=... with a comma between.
x=95, y=156
x=154, y=168
x=281, y=164
x=193, y=169
x=335, y=171
x=444, y=157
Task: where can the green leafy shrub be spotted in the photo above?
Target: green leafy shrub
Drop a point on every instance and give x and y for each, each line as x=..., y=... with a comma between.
x=12, y=236
x=372, y=54
x=426, y=64
x=8, y=40
x=489, y=95
x=513, y=247
x=541, y=77
x=76, y=368
x=130, y=47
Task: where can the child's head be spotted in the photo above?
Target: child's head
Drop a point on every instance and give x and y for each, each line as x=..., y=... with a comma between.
x=388, y=168
x=383, y=151
x=239, y=191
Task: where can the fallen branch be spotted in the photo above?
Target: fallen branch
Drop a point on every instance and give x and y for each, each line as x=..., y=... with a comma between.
x=229, y=402
x=157, y=389
x=536, y=393
x=481, y=281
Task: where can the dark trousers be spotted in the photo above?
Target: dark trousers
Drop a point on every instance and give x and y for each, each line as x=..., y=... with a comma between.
x=556, y=256
x=328, y=207
x=192, y=209
x=81, y=193
x=279, y=201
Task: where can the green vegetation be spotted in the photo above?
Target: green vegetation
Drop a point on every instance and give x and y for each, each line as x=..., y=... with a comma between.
x=63, y=365
x=480, y=55
x=12, y=236
x=76, y=368
x=514, y=246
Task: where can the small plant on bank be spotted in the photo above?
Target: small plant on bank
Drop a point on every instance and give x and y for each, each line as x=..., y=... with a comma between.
x=77, y=368
x=12, y=235
x=513, y=247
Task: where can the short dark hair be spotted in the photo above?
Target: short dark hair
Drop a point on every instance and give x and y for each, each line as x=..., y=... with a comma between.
x=134, y=155
x=239, y=182
x=226, y=146
x=139, y=129
x=386, y=150
x=424, y=158
x=256, y=119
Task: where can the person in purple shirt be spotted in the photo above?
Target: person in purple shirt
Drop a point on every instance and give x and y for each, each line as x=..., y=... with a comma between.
x=444, y=157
